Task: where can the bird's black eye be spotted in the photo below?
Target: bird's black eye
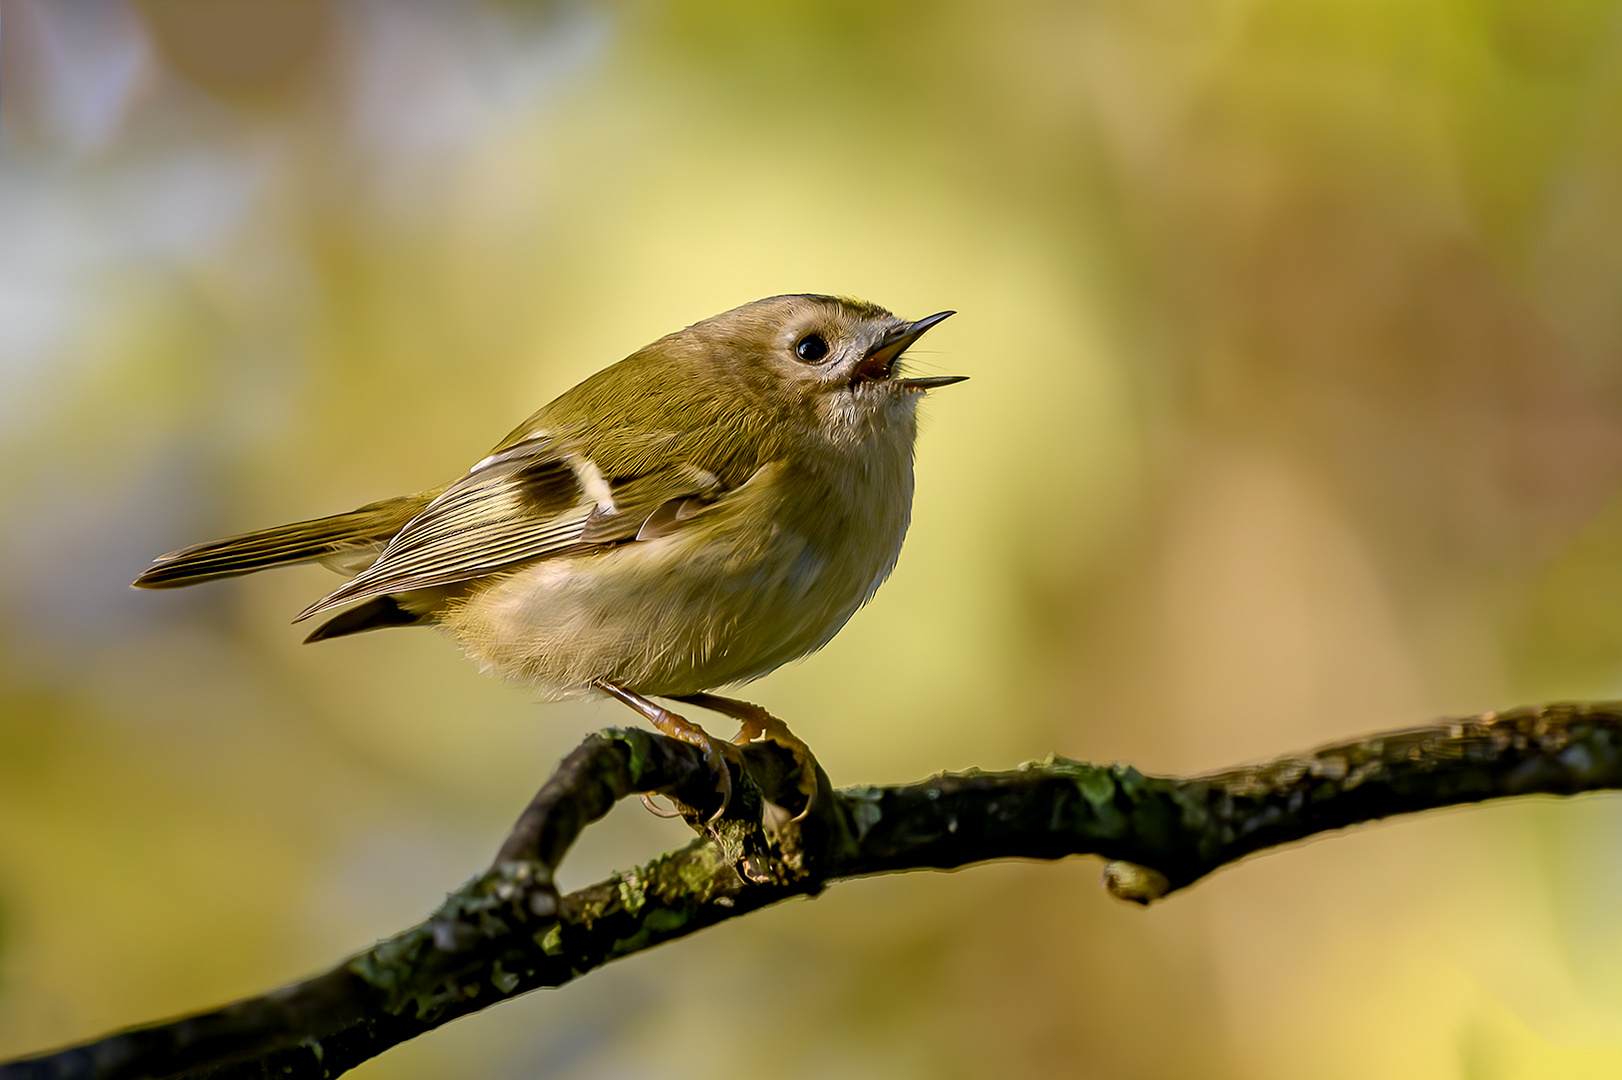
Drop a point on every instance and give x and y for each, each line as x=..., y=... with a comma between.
x=811, y=348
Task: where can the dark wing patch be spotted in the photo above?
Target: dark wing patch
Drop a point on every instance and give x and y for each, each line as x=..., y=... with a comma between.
x=527, y=502
x=514, y=510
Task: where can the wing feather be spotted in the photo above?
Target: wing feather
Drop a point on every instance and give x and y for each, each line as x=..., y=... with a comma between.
x=526, y=502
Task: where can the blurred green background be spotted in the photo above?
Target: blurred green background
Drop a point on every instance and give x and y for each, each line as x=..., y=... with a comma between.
x=1294, y=329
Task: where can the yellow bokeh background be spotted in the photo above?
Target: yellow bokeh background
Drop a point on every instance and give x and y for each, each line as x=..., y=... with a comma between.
x=1295, y=336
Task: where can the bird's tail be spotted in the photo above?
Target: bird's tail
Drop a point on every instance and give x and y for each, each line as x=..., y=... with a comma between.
x=346, y=542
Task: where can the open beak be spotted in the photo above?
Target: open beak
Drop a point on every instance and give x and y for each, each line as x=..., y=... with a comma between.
x=878, y=364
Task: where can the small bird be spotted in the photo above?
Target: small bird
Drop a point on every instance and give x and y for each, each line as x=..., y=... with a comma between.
x=700, y=513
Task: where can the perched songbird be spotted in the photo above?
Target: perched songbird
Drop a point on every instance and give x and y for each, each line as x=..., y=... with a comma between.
x=707, y=509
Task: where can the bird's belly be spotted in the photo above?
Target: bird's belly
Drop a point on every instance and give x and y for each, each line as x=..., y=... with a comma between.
x=676, y=615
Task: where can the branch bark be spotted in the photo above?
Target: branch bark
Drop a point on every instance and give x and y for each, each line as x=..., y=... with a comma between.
x=507, y=931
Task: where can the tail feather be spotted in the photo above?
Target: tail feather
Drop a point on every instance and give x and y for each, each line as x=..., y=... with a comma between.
x=355, y=537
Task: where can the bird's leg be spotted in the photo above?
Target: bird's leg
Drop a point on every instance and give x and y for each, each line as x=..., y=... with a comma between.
x=679, y=727
x=757, y=723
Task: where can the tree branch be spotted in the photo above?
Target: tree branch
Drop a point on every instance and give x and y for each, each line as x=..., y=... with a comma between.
x=507, y=931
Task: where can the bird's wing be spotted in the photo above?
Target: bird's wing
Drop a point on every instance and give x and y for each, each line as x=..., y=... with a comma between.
x=532, y=499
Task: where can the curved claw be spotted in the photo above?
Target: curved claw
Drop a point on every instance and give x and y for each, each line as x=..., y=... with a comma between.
x=723, y=775
x=653, y=808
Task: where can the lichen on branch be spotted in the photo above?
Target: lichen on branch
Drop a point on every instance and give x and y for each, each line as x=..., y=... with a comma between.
x=508, y=931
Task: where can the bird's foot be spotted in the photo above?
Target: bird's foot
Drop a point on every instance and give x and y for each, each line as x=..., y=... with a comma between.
x=757, y=723
x=676, y=726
